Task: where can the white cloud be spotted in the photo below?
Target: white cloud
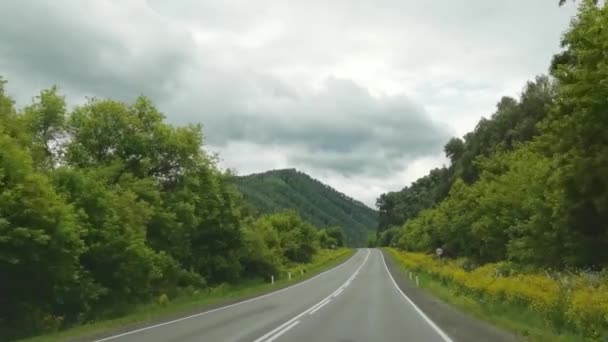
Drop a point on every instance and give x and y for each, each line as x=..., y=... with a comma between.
x=359, y=94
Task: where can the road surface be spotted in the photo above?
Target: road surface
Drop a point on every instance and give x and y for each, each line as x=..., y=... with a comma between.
x=356, y=301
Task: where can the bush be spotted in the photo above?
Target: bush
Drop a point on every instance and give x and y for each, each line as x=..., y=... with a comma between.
x=163, y=300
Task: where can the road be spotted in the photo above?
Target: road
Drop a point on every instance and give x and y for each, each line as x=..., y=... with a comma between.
x=356, y=301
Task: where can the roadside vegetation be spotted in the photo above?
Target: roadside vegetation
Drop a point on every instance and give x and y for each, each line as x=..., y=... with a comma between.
x=107, y=207
x=522, y=209
x=544, y=306
x=191, y=301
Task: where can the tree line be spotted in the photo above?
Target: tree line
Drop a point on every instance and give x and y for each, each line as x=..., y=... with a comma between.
x=107, y=205
x=529, y=184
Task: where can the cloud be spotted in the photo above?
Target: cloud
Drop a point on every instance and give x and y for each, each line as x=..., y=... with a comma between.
x=360, y=94
x=96, y=48
x=339, y=127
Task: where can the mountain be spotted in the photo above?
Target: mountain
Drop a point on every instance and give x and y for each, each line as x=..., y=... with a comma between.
x=318, y=203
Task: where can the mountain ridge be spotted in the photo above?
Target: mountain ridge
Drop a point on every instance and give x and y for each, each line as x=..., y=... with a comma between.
x=320, y=204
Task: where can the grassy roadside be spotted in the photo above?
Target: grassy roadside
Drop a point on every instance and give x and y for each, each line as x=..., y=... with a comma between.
x=520, y=319
x=199, y=300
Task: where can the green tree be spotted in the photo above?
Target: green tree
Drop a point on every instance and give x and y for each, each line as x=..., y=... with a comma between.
x=45, y=122
x=576, y=132
x=40, y=246
x=109, y=206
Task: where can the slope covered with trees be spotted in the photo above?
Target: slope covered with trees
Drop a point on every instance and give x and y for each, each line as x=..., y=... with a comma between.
x=316, y=202
x=514, y=122
x=107, y=206
x=529, y=184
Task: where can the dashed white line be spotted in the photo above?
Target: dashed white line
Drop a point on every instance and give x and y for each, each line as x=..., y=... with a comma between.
x=319, y=308
x=320, y=303
x=337, y=293
x=283, y=331
x=271, y=335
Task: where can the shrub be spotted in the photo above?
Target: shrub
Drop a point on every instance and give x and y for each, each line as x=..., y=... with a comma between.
x=579, y=301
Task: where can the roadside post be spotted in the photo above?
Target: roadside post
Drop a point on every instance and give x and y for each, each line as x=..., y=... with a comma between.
x=439, y=252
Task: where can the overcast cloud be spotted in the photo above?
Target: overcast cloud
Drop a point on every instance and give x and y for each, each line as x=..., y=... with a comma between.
x=360, y=94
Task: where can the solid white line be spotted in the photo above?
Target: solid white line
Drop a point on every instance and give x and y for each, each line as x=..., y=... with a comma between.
x=275, y=330
x=227, y=306
x=283, y=331
x=319, y=308
x=443, y=335
x=338, y=293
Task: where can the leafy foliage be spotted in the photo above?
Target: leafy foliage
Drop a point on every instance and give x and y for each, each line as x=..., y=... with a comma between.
x=280, y=190
x=107, y=206
x=529, y=185
x=513, y=123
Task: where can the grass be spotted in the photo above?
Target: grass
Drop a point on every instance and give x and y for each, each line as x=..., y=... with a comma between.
x=526, y=323
x=198, y=300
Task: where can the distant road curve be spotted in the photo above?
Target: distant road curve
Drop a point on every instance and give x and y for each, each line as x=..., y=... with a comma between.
x=356, y=301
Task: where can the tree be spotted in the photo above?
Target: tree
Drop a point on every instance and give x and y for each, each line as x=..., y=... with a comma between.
x=40, y=246
x=595, y=2
x=575, y=133
x=337, y=234
x=454, y=149
x=45, y=121
x=108, y=206
x=514, y=123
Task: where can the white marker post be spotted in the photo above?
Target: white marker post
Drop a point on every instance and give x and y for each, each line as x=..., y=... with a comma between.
x=301, y=272
x=410, y=275
x=439, y=252
x=272, y=279
x=289, y=275
x=417, y=282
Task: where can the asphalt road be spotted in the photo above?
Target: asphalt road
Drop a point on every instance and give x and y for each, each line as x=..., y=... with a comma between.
x=357, y=301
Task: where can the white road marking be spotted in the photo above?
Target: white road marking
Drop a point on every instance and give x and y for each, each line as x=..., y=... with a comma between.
x=337, y=293
x=227, y=306
x=320, y=303
x=283, y=331
x=438, y=330
x=269, y=336
x=319, y=307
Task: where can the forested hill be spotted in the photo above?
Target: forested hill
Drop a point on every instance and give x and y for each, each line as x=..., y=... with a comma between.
x=528, y=185
x=316, y=202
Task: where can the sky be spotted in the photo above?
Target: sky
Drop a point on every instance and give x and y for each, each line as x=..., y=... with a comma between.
x=361, y=95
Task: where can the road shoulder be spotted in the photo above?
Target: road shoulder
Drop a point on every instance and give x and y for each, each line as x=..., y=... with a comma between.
x=460, y=326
